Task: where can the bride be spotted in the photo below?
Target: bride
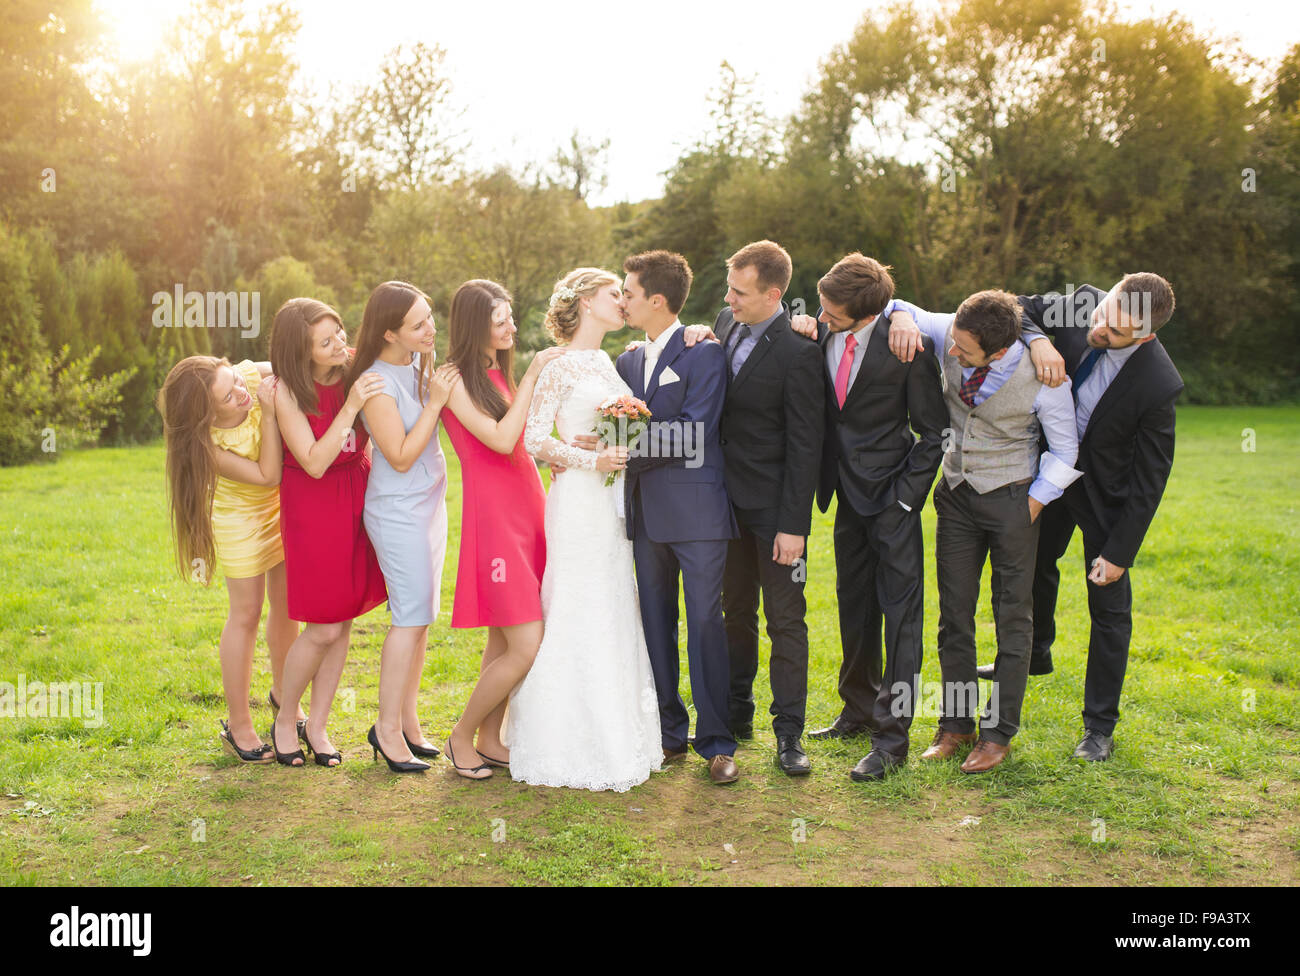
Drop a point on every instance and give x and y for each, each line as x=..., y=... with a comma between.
x=586, y=715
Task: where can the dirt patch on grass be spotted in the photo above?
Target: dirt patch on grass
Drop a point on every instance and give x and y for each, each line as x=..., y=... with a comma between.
x=361, y=824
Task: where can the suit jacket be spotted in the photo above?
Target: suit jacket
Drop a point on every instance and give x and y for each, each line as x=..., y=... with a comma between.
x=683, y=498
x=772, y=424
x=1127, y=450
x=869, y=452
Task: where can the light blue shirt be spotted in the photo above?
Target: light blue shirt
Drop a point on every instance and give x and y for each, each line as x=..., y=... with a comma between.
x=429, y=471
x=1108, y=365
x=746, y=346
x=1053, y=407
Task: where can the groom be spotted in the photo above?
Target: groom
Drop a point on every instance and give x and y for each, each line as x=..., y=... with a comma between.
x=678, y=515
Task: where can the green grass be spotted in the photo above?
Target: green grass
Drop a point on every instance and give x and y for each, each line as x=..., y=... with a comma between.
x=1202, y=787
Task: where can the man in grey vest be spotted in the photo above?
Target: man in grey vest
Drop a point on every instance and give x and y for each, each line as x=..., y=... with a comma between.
x=992, y=488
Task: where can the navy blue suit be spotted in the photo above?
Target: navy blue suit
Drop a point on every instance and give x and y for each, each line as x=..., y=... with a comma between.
x=679, y=520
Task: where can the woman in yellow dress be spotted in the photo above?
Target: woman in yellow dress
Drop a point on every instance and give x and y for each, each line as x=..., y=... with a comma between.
x=224, y=459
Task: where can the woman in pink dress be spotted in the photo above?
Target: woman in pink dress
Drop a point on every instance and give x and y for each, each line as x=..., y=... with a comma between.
x=333, y=575
x=503, y=539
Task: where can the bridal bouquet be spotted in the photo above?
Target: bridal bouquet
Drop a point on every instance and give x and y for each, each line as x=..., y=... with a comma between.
x=621, y=420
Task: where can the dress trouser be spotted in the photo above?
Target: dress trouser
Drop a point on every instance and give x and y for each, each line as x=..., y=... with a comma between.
x=879, y=574
x=701, y=566
x=750, y=568
x=1109, y=607
x=970, y=528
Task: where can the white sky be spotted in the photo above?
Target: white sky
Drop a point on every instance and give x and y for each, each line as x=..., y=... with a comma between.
x=528, y=73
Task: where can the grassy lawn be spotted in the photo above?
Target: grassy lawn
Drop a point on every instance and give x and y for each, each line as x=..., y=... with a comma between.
x=1202, y=788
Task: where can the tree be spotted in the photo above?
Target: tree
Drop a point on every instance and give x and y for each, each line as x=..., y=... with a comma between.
x=580, y=166
x=405, y=126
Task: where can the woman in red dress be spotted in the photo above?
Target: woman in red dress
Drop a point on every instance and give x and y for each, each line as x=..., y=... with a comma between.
x=332, y=572
x=503, y=539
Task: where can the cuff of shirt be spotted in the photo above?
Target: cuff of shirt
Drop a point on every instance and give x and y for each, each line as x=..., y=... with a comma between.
x=1054, y=476
x=1056, y=472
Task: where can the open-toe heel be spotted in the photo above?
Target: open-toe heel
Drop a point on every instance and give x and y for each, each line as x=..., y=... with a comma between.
x=286, y=758
x=275, y=713
x=327, y=759
x=258, y=755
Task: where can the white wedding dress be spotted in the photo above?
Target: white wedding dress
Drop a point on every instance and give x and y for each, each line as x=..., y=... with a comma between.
x=586, y=715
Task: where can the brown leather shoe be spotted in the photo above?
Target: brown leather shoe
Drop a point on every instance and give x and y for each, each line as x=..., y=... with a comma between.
x=984, y=757
x=946, y=743
x=672, y=756
x=722, y=769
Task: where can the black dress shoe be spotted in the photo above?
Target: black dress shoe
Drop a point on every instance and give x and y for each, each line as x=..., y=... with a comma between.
x=985, y=671
x=742, y=730
x=875, y=765
x=1095, y=747
x=841, y=730
x=791, y=757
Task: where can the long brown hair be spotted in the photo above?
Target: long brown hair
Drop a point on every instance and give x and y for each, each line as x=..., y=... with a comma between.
x=291, y=347
x=386, y=308
x=185, y=402
x=470, y=325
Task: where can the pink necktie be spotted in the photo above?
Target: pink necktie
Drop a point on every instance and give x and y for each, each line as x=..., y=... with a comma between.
x=846, y=365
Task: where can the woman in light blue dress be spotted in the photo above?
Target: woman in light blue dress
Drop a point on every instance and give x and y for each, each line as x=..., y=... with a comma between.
x=405, y=511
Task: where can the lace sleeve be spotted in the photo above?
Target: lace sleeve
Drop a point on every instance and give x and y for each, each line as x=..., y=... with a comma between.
x=553, y=386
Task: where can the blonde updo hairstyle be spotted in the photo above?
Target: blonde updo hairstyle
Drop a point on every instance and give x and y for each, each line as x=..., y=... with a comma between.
x=566, y=300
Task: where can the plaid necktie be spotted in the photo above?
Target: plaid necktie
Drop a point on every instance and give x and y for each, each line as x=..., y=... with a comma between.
x=971, y=386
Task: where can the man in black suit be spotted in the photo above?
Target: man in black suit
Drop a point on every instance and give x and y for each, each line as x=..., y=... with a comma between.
x=771, y=444
x=881, y=474
x=1125, y=386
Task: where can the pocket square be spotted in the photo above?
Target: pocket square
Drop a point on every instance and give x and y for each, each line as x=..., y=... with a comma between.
x=668, y=376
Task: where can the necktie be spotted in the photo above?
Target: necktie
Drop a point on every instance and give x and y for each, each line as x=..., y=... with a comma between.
x=651, y=356
x=971, y=386
x=742, y=334
x=1085, y=368
x=845, y=367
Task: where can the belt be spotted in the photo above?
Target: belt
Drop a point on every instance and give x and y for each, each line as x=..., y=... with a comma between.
x=1010, y=484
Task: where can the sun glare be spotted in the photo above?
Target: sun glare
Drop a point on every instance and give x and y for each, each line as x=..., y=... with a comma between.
x=138, y=26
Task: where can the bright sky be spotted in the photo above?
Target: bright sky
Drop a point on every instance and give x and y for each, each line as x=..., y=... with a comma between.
x=528, y=73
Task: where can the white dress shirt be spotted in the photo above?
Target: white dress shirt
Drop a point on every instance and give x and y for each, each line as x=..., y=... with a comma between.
x=654, y=349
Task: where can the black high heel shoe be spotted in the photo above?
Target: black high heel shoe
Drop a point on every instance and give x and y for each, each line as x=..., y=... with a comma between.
x=286, y=758
x=300, y=723
x=323, y=758
x=413, y=766
x=420, y=750
x=258, y=755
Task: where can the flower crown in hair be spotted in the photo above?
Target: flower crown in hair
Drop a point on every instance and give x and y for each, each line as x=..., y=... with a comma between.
x=563, y=294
